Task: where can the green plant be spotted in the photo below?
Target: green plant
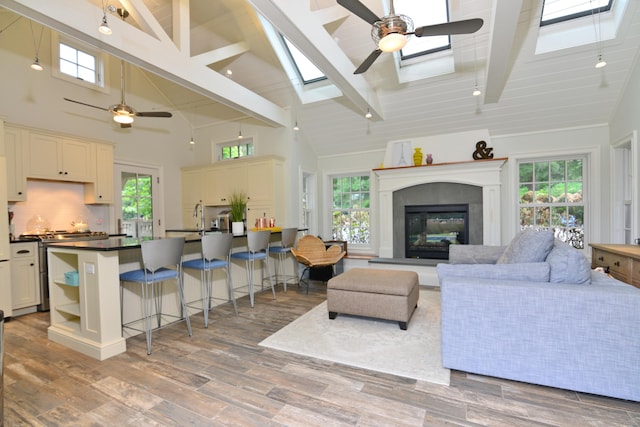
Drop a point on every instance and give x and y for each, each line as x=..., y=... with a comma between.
x=238, y=204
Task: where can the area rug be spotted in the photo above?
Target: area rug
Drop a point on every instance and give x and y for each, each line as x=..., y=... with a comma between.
x=378, y=345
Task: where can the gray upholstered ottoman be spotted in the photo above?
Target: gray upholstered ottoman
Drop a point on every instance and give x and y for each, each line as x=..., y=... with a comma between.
x=383, y=294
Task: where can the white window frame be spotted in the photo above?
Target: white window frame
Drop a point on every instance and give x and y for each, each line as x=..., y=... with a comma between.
x=102, y=63
x=625, y=190
x=308, y=216
x=217, y=148
x=353, y=247
x=591, y=191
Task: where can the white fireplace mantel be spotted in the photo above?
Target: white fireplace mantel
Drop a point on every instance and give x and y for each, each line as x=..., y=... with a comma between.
x=482, y=173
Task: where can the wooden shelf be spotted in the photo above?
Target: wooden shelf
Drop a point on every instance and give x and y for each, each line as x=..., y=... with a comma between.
x=497, y=159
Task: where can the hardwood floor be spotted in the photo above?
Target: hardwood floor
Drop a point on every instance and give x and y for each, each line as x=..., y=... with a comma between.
x=221, y=377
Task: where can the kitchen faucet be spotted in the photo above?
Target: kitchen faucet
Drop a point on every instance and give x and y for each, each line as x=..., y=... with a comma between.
x=199, y=206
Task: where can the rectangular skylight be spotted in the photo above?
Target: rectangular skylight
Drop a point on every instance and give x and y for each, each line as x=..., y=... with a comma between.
x=309, y=73
x=424, y=13
x=563, y=10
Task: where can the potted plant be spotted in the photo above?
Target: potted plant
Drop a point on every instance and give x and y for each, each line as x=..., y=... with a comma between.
x=238, y=205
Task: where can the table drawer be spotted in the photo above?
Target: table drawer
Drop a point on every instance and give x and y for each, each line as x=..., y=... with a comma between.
x=635, y=273
x=619, y=266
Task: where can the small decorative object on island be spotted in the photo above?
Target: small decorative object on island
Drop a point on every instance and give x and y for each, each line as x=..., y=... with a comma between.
x=429, y=159
x=238, y=205
x=417, y=156
x=482, y=152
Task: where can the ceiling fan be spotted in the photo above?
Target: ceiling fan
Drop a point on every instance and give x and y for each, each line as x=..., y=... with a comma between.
x=122, y=113
x=392, y=31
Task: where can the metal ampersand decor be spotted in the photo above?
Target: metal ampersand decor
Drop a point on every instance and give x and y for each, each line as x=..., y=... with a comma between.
x=482, y=152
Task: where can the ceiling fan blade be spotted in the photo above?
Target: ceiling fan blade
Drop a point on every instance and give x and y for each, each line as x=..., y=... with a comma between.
x=467, y=26
x=153, y=114
x=368, y=62
x=359, y=10
x=85, y=104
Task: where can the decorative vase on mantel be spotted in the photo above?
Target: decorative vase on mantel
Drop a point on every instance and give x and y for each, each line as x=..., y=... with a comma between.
x=429, y=159
x=417, y=156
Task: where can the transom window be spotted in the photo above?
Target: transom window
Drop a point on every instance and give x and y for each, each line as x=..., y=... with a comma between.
x=79, y=63
x=551, y=196
x=233, y=150
x=351, y=217
x=554, y=11
x=424, y=13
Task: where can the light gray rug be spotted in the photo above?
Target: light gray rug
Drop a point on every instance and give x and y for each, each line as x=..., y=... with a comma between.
x=378, y=345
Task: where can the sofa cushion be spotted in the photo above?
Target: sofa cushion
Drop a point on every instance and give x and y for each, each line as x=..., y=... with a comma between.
x=530, y=272
x=528, y=246
x=568, y=265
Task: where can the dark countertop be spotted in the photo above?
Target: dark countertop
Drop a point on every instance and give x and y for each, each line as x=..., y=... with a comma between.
x=24, y=240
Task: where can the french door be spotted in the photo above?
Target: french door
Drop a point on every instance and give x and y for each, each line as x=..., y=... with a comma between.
x=138, y=207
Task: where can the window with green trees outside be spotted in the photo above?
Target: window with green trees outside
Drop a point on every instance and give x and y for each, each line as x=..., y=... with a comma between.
x=551, y=197
x=350, y=212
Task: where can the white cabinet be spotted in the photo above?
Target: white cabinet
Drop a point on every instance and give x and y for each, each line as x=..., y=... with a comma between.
x=5, y=288
x=101, y=190
x=85, y=315
x=25, y=290
x=16, y=178
x=58, y=158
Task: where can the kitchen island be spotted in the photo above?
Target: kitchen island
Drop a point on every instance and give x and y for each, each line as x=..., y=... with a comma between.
x=85, y=308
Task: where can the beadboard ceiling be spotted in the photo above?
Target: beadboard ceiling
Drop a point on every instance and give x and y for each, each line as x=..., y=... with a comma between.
x=523, y=92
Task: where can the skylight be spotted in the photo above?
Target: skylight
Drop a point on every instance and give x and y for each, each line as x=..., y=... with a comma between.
x=424, y=13
x=554, y=11
x=309, y=73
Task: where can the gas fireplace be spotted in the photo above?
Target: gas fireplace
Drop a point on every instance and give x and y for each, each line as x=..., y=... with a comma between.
x=431, y=229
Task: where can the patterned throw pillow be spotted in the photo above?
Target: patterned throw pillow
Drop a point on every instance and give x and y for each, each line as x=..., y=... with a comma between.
x=528, y=246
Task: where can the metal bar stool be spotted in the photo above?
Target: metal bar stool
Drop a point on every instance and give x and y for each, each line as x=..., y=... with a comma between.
x=258, y=247
x=162, y=260
x=288, y=239
x=216, y=249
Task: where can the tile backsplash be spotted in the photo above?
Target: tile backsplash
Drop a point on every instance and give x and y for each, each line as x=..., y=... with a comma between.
x=59, y=203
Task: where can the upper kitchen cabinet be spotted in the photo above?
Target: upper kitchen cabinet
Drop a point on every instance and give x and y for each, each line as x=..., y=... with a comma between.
x=14, y=152
x=101, y=190
x=59, y=158
x=223, y=179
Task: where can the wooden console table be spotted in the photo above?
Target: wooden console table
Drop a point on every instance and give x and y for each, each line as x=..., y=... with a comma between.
x=621, y=261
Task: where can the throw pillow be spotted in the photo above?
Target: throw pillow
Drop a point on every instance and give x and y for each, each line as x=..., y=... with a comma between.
x=568, y=265
x=528, y=246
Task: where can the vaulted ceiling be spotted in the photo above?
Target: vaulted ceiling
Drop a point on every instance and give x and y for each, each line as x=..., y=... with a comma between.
x=186, y=47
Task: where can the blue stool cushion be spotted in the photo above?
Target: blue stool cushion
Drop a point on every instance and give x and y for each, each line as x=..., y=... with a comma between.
x=279, y=249
x=201, y=264
x=138, y=275
x=249, y=255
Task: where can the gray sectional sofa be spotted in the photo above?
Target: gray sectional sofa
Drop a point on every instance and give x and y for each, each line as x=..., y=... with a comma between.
x=535, y=312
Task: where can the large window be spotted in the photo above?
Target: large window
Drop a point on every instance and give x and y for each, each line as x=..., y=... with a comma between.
x=350, y=212
x=551, y=196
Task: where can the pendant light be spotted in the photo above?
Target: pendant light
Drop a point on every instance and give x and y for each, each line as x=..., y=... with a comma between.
x=36, y=63
x=476, y=90
x=600, y=63
x=368, y=115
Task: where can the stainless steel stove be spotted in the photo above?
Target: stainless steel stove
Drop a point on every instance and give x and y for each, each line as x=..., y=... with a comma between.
x=54, y=236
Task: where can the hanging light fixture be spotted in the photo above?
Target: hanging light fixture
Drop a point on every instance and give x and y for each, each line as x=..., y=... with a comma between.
x=104, y=25
x=368, y=115
x=295, y=127
x=240, y=132
x=600, y=63
x=191, y=141
x=476, y=91
x=36, y=63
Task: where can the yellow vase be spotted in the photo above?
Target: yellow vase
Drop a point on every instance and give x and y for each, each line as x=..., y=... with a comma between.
x=417, y=157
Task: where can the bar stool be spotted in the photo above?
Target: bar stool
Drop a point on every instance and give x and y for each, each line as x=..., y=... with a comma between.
x=258, y=247
x=288, y=239
x=161, y=261
x=216, y=249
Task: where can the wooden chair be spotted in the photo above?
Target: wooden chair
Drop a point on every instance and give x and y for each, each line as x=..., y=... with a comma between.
x=312, y=252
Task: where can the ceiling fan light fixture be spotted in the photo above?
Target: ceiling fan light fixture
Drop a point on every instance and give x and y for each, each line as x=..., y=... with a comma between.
x=36, y=65
x=392, y=33
x=122, y=114
x=104, y=26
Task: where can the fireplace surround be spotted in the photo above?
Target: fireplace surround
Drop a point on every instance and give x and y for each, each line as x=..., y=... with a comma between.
x=477, y=183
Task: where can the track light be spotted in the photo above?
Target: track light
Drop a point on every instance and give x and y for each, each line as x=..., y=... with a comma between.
x=368, y=115
x=104, y=26
x=36, y=65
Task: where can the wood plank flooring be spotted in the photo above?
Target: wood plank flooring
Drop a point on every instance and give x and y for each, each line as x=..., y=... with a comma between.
x=221, y=377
